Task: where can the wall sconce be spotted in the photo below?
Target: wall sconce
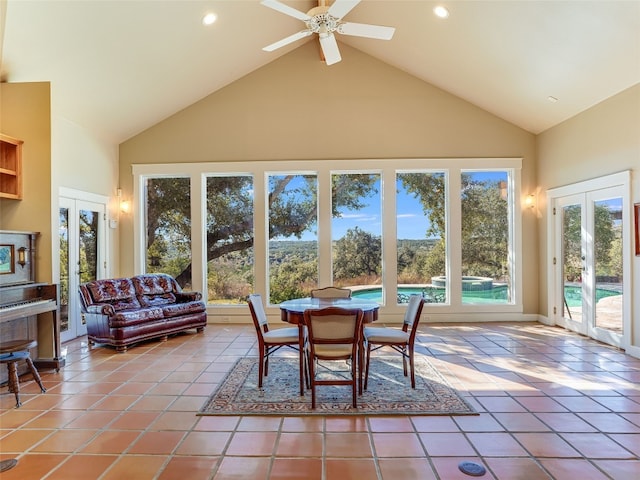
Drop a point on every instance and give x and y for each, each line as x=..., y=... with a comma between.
x=125, y=206
x=22, y=256
x=530, y=201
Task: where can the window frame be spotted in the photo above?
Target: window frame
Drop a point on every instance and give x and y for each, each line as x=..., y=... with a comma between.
x=453, y=168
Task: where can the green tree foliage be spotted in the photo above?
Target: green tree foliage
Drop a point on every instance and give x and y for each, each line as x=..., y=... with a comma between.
x=607, y=250
x=292, y=211
x=169, y=227
x=357, y=254
x=485, y=226
x=88, y=226
x=291, y=279
x=604, y=238
x=485, y=229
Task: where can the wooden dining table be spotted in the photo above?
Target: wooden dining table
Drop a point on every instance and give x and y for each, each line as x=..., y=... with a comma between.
x=292, y=311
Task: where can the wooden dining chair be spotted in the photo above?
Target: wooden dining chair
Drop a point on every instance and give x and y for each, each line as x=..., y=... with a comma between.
x=331, y=292
x=333, y=334
x=401, y=340
x=270, y=341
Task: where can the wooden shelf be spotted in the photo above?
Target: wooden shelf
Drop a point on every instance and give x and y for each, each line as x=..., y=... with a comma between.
x=10, y=167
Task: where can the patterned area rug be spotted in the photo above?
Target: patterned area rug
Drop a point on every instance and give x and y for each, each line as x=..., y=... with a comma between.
x=389, y=392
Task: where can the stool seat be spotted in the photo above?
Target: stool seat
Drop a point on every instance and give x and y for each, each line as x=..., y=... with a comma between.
x=17, y=345
x=13, y=352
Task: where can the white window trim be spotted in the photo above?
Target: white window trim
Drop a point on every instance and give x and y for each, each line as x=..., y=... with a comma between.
x=455, y=311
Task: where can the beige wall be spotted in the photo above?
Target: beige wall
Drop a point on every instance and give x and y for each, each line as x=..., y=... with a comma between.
x=602, y=140
x=298, y=108
x=86, y=163
x=25, y=113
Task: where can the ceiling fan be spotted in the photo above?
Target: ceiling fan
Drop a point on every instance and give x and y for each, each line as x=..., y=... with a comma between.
x=325, y=21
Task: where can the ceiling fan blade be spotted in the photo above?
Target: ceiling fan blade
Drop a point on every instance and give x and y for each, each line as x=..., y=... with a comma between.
x=366, y=30
x=286, y=9
x=287, y=41
x=341, y=7
x=330, y=48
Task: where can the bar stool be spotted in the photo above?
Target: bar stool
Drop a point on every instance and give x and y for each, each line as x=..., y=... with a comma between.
x=13, y=352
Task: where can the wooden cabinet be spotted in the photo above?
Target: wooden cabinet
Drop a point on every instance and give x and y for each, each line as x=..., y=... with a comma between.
x=10, y=167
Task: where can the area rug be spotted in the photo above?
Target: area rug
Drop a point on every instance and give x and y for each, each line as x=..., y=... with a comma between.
x=389, y=392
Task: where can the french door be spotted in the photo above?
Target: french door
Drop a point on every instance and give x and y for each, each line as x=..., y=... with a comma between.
x=82, y=241
x=590, y=286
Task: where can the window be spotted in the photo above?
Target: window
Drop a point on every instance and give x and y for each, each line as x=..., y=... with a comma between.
x=168, y=228
x=421, y=233
x=293, y=238
x=229, y=241
x=446, y=229
x=356, y=229
x=485, y=235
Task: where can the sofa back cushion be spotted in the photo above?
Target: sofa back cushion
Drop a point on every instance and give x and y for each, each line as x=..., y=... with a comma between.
x=118, y=292
x=155, y=289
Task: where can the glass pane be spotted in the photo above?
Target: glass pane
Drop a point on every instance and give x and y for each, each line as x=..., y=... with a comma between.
x=607, y=239
x=486, y=275
x=88, y=231
x=168, y=228
x=572, y=262
x=64, y=269
x=230, y=271
x=421, y=232
x=356, y=230
x=293, y=237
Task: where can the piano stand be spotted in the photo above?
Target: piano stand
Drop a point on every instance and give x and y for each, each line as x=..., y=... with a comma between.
x=13, y=352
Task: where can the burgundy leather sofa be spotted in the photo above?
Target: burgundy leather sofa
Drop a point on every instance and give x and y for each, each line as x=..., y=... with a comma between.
x=123, y=311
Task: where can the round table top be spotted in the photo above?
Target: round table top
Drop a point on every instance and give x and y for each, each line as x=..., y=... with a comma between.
x=299, y=305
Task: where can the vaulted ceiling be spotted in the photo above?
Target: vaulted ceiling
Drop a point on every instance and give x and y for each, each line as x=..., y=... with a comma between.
x=119, y=67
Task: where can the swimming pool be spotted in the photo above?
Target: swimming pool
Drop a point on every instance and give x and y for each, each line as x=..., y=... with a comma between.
x=496, y=295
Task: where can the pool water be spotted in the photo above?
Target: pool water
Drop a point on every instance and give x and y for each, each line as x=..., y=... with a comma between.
x=498, y=294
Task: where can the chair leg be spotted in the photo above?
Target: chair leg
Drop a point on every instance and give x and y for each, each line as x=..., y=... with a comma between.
x=404, y=359
x=261, y=367
x=354, y=378
x=14, y=383
x=366, y=366
x=36, y=375
x=412, y=367
x=360, y=364
x=312, y=379
x=303, y=375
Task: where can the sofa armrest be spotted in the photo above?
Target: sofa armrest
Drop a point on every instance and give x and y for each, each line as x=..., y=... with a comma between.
x=101, y=309
x=183, y=297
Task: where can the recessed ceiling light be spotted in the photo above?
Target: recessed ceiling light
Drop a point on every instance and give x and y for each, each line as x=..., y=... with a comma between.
x=441, y=11
x=209, y=19
x=552, y=99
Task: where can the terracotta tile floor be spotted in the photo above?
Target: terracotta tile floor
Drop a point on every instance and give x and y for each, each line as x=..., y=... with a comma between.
x=553, y=405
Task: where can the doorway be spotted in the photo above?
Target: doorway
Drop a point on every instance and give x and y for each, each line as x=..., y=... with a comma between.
x=590, y=265
x=82, y=240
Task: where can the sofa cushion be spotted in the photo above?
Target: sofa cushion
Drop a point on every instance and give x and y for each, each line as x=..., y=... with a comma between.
x=118, y=292
x=155, y=289
x=178, y=309
x=129, y=318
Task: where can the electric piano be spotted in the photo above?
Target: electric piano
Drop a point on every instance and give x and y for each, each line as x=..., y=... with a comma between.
x=28, y=310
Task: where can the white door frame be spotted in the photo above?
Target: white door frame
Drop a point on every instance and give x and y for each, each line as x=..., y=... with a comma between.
x=76, y=200
x=589, y=189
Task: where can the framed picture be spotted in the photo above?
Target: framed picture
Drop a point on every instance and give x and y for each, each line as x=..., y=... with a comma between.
x=7, y=263
x=636, y=216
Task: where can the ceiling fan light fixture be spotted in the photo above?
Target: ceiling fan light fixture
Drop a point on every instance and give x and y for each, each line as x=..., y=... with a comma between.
x=325, y=21
x=441, y=11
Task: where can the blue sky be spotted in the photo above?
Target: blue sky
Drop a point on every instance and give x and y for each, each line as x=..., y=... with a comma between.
x=411, y=221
